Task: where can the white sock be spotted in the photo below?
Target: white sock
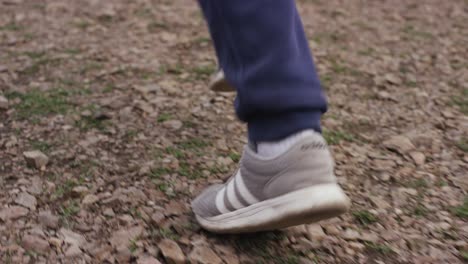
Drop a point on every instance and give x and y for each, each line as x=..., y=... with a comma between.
x=272, y=149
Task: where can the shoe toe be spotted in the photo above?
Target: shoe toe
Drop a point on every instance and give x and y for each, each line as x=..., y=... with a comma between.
x=205, y=204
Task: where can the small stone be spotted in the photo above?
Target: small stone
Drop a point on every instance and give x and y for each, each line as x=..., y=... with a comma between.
x=79, y=191
x=173, y=124
x=418, y=158
x=73, y=251
x=57, y=243
x=383, y=165
x=125, y=219
x=72, y=238
x=393, y=79
x=369, y=237
x=35, y=158
x=204, y=255
x=410, y=191
x=34, y=243
x=332, y=230
x=47, y=219
x=315, y=232
x=147, y=260
x=297, y=231
x=108, y=212
x=307, y=245
x=400, y=144
x=3, y=103
x=90, y=199
x=356, y=246
x=13, y=213
x=350, y=234
x=145, y=89
x=379, y=202
x=123, y=237
x=383, y=176
x=26, y=200
x=36, y=186
x=175, y=208
x=171, y=252
x=157, y=218
x=123, y=254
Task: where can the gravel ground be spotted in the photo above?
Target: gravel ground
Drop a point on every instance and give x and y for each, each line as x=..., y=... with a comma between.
x=108, y=130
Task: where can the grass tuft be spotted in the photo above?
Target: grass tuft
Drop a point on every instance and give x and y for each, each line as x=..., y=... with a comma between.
x=462, y=210
x=364, y=217
x=335, y=137
x=39, y=103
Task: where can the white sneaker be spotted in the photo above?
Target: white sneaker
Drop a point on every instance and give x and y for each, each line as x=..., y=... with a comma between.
x=297, y=187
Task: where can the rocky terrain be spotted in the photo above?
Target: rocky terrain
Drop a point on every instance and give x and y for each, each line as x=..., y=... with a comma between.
x=108, y=130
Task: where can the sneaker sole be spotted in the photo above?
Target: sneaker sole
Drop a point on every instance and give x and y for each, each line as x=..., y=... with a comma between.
x=304, y=206
x=219, y=84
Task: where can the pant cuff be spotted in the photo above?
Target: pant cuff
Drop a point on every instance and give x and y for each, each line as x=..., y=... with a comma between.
x=277, y=127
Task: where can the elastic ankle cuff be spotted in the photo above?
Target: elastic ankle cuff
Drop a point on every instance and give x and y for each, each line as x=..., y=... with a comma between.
x=277, y=127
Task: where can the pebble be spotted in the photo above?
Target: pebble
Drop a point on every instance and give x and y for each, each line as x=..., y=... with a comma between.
x=171, y=252
x=36, y=186
x=72, y=238
x=315, y=232
x=90, y=199
x=73, y=252
x=173, y=124
x=108, y=212
x=47, y=219
x=418, y=157
x=147, y=260
x=124, y=236
x=400, y=144
x=79, y=190
x=13, y=213
x=3, y=103
x=26, y=200
x=351, y=234
x=204, y=255
x=35, y=159
x=158, y=218
x=35, y=243
x=332, y=230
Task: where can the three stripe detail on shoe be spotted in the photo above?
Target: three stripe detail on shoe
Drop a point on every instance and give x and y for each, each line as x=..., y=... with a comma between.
x=234, y=195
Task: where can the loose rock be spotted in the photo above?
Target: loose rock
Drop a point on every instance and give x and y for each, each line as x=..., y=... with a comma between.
x=123, y=237
x=204, y=255
x=36, y=158
x=35, y=243
x=90, y=199
x=171, y=252
x=173, y=124
x=418, y=158
x=147, y=260
x=47, y=219
x=26, y=200
x=400, y=144
x=157, y=218
x=315, y=232
x=13, y=213
x=73, y=252
x=350, y=234
x=3, y=103
x=72, y=238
